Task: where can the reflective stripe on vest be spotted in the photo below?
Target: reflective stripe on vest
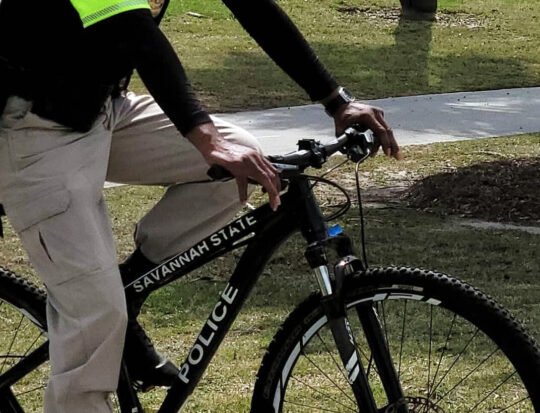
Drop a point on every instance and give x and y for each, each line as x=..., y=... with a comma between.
x=94, y=11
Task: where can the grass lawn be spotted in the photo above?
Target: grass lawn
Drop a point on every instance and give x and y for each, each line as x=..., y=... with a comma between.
x=503, y=263
x=474, y=45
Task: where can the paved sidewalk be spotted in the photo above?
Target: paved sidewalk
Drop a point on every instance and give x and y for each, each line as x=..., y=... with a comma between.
x=415, y=119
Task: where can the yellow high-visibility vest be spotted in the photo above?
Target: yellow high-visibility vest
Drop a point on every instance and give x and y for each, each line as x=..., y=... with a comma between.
x=94, y=11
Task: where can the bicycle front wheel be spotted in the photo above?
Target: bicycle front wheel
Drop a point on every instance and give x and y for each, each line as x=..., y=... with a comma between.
x=453, y=348
x=23, y=345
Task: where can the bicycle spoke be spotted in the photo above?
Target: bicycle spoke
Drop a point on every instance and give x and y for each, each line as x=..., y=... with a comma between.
x=491, y=392
x=311, y=407
x=385, y=325
x=402, y=337
x=515, y=404
x=12, y=342
x=327, y=377
x=442, y=353
x=338, y=366
x=32, y=345
x=468, y=375
x=456, y=359
x=370, y=364
x=322, y=393
x=430, y=349
x=31, y=390
x=368, y=359
x=364, y=354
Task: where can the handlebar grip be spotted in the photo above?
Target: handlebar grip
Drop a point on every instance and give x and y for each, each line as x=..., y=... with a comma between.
x=219, y=173
x=361, y=143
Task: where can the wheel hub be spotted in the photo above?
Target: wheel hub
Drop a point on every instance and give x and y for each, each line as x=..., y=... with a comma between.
x=415, y=405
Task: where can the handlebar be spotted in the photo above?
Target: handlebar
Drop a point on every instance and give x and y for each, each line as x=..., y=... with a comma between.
x=356, y=144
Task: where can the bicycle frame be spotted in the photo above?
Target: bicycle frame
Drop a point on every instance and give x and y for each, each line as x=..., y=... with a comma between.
x=262, y=231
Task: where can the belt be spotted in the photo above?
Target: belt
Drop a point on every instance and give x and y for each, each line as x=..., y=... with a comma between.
x=70, y=102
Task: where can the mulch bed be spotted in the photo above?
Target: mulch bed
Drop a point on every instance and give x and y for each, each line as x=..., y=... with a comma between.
x=501, y=191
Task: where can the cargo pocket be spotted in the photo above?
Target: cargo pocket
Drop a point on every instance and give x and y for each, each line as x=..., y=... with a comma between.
x=24, y=215
x=26, y=219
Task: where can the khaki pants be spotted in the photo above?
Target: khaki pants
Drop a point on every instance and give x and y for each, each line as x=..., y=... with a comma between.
x=51, y=181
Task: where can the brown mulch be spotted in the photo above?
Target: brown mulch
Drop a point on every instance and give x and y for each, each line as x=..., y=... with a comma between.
x=443, y=17
x=502, y=191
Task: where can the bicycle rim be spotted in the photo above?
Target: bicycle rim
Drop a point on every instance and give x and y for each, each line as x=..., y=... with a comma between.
x=443, y=347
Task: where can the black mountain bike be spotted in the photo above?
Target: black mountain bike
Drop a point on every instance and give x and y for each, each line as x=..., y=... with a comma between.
x=377, y=340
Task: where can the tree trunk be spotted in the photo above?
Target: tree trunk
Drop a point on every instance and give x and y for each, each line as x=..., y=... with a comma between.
x=419, y=9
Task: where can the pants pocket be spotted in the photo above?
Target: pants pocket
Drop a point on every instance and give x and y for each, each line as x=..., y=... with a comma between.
x=24, y=215
x=62, y=241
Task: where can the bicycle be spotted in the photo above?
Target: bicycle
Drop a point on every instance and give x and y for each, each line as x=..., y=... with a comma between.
x=345, y=348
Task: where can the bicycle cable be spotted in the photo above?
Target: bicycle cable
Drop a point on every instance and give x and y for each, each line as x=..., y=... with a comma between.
x=346, y=203
x=361, y=210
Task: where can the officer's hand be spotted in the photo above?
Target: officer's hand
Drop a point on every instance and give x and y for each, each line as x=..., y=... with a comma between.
x=368, y=117
x=241, y=161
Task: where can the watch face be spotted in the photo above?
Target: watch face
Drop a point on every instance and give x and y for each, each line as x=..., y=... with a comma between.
x=345, y=94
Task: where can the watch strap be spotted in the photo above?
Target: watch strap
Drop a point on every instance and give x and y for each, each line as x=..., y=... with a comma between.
x=343, y=96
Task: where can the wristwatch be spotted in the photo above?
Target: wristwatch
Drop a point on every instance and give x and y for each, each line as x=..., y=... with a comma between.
x=344, y=96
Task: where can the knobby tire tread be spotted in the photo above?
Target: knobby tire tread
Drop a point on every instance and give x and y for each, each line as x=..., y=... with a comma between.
x=507, y=332
x=20, y=290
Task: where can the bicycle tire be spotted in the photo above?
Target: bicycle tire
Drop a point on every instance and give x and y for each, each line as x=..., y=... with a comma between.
x=22, y=330
x=474, y=349
x=22, y=305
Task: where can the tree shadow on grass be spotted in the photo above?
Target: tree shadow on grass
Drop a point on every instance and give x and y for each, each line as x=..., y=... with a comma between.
x=502, y=191
x=249, y=79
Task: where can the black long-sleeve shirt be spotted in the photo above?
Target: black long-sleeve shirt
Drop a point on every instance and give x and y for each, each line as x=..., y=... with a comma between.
x=47, y=39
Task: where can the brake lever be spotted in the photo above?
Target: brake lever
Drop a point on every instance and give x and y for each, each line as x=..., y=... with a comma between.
x=286, y=171
x=361, y=144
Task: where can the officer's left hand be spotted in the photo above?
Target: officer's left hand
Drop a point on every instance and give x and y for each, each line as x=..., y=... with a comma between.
x=368, y=117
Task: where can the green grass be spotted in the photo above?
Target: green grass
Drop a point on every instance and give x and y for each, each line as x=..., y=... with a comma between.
x=420, y=161
x=475, y=45
x=503, y=263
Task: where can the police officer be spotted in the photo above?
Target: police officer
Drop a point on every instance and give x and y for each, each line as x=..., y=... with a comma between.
x=66, y=126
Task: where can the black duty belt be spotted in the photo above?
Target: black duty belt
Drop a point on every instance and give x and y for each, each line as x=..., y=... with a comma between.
x=72, y=102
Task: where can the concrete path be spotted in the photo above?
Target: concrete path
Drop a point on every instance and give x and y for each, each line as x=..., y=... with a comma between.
x=415, y=119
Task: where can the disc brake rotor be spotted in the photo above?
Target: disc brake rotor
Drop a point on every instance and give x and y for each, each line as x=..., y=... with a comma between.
x=415, y=405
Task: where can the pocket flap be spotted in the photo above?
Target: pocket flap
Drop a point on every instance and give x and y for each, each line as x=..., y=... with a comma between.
x=23, y=215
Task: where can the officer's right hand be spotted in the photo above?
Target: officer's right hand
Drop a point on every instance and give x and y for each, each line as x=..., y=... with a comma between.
x=241, y=161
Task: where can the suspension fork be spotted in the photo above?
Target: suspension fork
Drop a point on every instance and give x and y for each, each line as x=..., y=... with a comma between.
x=315, y=231
x=341, y=331
x=380, y=352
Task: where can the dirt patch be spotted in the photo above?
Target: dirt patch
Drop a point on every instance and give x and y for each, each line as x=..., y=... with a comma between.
x=443, y=17
x=500, y=191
